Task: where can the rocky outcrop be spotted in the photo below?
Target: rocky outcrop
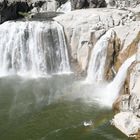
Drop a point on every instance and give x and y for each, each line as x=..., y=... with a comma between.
x=83, y=33
x=12, y=11
x=128, y=123
x=10, y=8
x=128, y=38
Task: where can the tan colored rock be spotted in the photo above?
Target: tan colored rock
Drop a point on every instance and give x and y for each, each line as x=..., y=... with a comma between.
x=129, y=37
x=108, y=74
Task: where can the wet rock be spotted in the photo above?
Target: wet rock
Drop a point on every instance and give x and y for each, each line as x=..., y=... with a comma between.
x=129, y=37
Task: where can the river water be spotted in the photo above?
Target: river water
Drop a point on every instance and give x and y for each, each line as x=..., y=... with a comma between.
x=52, y=108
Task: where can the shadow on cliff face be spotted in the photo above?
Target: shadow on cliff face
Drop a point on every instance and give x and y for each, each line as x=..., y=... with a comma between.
x=14, y=10
x=79, y=4
x=44, y=16
x=11, y=12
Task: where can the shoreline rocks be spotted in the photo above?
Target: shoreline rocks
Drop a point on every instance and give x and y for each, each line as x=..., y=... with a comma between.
x=128, y=123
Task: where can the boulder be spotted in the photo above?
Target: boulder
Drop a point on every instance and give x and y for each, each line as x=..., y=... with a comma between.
x=128, y=123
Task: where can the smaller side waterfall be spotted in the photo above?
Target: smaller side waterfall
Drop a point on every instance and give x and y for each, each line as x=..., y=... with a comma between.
x=32, y=48
x=98, y=58
x=107, y=93
x=115, y=86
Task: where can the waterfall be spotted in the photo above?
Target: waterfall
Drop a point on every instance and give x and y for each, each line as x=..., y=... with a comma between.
x=32, y=48
x=115, y=86
x=105, y=94
x=96, y=68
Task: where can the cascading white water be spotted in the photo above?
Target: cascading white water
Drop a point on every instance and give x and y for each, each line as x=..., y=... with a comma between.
x=98, y=58
x=115, y=86
x=32, y=48
x=106, y=94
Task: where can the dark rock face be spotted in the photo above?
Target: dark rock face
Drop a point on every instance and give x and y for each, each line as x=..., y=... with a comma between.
x=60, y=2
x=79, y=4
x=11, y=12
x=97, y=3
x=44, y=16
